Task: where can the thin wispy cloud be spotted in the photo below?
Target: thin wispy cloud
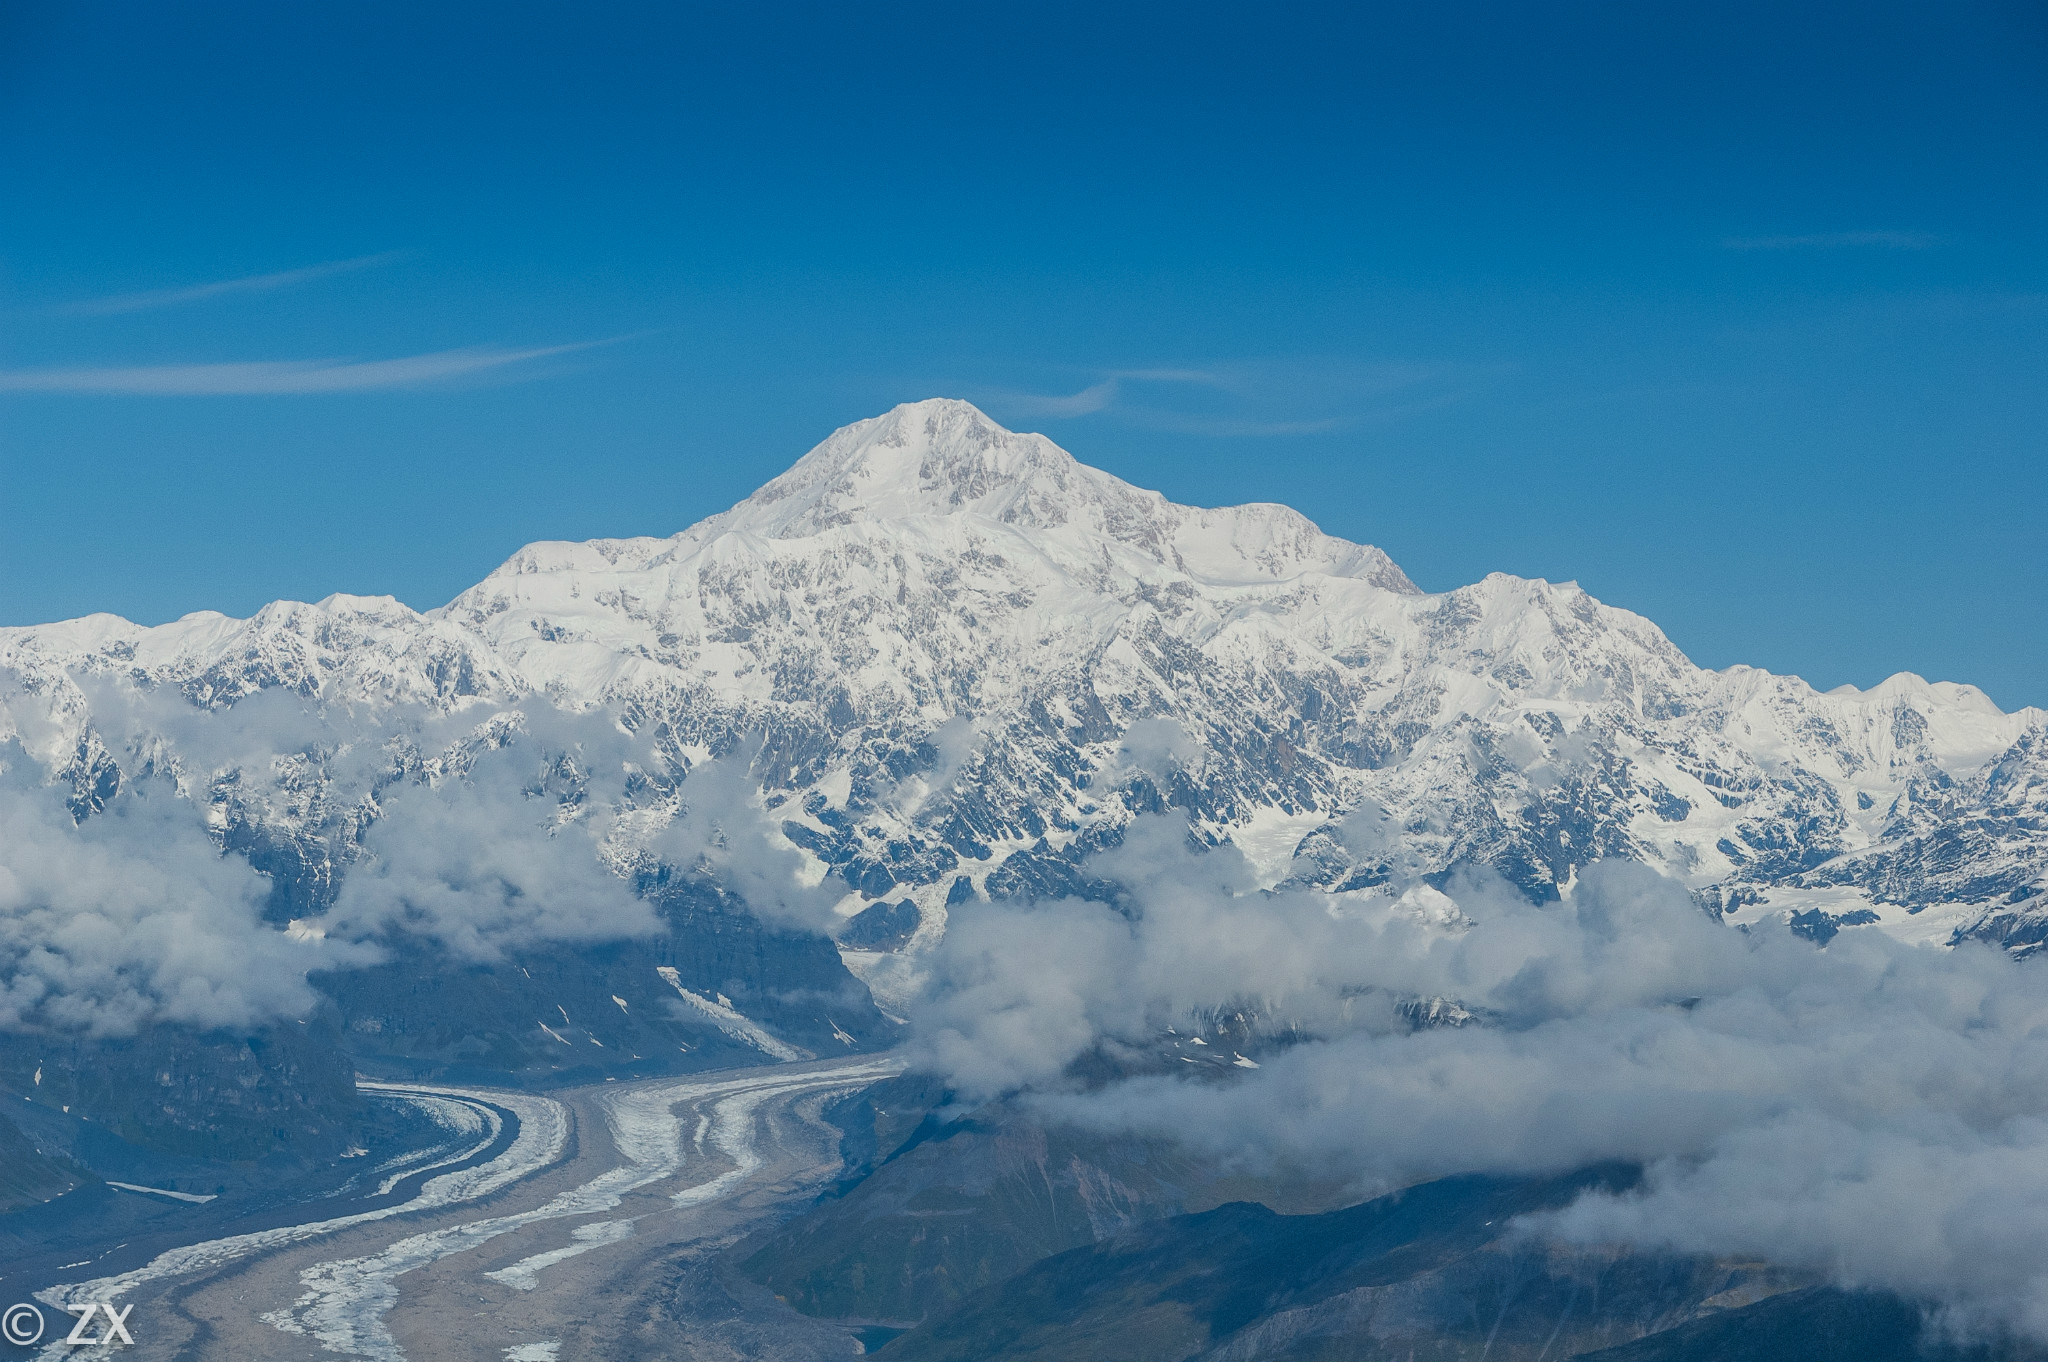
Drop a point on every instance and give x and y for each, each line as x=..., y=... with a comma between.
x=264, y=378
x=1086, y=402
x=1101, y=396
x=198, y=293
x=1247, y=399
x=1225, y=428
x=1201, y=377
x=1827, y=241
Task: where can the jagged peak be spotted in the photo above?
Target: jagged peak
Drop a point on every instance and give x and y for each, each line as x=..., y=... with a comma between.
x=383, y=608
x=1905, y=688
x=939, y=456
x=943, y=462
x=946, y=457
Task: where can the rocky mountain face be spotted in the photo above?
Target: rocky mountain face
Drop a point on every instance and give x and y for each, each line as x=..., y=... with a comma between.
x=1431, y=1275
x=942, y=1209
x=232, y=1096
x=950, y=661
x=28, y=1175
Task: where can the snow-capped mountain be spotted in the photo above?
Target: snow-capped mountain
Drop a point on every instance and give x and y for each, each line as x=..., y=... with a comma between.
x=967, y=658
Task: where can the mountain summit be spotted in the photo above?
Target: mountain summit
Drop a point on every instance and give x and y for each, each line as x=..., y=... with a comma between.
x=963, y=660
x=943, y=458
x=937, y=457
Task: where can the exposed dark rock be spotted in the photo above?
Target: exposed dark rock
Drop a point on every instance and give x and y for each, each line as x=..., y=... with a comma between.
x=287, y=1088
x=882, y=927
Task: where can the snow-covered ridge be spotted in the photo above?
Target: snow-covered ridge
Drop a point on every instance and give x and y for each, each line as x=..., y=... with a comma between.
x=969, y=657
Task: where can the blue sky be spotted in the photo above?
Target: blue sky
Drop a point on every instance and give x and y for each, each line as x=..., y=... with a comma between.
x=1736, y=314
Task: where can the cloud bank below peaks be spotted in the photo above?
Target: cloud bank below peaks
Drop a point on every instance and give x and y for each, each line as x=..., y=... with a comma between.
x=484, y=863
x=482, y=837
x=1872, y=1111
x=724, y=835
x=134, y=918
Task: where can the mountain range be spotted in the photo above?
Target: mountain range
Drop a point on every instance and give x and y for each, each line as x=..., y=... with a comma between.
x=635, y=807
x=957, y=660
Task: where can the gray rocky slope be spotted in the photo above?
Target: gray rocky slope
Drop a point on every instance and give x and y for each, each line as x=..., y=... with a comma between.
x=956, y=659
